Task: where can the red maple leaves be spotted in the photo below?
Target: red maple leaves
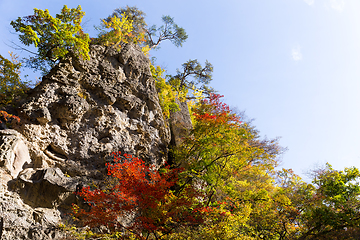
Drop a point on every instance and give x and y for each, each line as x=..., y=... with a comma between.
x=215, y=112
x=143, y=194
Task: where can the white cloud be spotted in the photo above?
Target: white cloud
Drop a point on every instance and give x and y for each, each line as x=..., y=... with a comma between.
x=296, y=53
x=310, y=2
x=337, y=5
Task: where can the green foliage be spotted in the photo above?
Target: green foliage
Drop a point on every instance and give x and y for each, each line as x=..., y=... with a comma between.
x=202, y=76
x=11, y=86
x=334, y=208
x=168, y=31
x=53, y=37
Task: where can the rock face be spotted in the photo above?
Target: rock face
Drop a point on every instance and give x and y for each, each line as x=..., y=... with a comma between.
x=180, y=123
x=80, y=113
x=14, y=153
x=84, y=110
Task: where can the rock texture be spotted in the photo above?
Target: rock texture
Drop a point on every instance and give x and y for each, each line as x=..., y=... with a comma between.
x=80, y=113
x=14, y=153
x=84, y=110
x=180, y=123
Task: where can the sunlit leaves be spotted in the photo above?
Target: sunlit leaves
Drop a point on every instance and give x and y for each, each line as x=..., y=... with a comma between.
x=166, y=93
x=53, y=37
x=116, y=30
x=11, y=86
x=143, y=195
x=335, y=204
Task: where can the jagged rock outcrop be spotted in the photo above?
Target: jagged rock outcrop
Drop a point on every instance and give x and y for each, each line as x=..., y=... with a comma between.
x=180, y=123
x=70, y=123
x=84, y=110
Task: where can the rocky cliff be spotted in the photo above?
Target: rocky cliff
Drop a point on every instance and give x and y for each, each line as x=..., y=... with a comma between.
x=70, y=123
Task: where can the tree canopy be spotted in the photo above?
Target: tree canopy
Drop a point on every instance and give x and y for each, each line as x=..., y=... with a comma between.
x=53, y=37
x=11, y=85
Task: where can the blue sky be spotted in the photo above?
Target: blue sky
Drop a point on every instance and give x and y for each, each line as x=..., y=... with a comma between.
x=292, y=65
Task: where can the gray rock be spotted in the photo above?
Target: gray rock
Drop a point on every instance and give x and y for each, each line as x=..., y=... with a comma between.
x=79, y=114
x=47, y=188
x=180, y=123
x=14, y=153
x=84, y=110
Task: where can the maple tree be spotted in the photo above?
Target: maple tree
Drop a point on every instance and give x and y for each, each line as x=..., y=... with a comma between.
x=226, y=156
x=144, y=195
x=220, y=144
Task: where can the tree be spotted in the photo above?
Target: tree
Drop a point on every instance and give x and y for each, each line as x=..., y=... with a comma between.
x=201, y=76
x=334, y=209
x=133, y=14
x=221, y=143
x=165, y=91
x=225, y=156
x=169, y=31
x=120, y=31
x=53, y=37
x=143, y=195
x=11, y=86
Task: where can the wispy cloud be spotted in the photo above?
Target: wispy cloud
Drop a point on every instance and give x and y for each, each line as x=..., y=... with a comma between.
x=337, y=5
x=296, y=53
x=310, y=2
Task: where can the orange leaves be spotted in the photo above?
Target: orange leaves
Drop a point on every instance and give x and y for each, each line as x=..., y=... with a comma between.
x=142, y=194
x=215, y=112
x=8, y=119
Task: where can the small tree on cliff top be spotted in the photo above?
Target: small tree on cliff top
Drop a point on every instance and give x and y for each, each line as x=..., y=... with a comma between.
x=168, y=31
x=53, y=37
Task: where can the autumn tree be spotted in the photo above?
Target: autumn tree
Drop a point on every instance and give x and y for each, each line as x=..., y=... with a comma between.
x=134, y=15
x=11, y=85
x=226, y=157
x=53, y=37
x=143, y=195
x=153, y=35
x=333, y=211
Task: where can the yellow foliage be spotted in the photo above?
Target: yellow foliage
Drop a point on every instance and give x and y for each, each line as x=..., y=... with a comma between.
x=120, y=30
x=165, y=91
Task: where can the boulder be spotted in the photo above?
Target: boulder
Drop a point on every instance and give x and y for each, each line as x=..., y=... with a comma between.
x=14, y=153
